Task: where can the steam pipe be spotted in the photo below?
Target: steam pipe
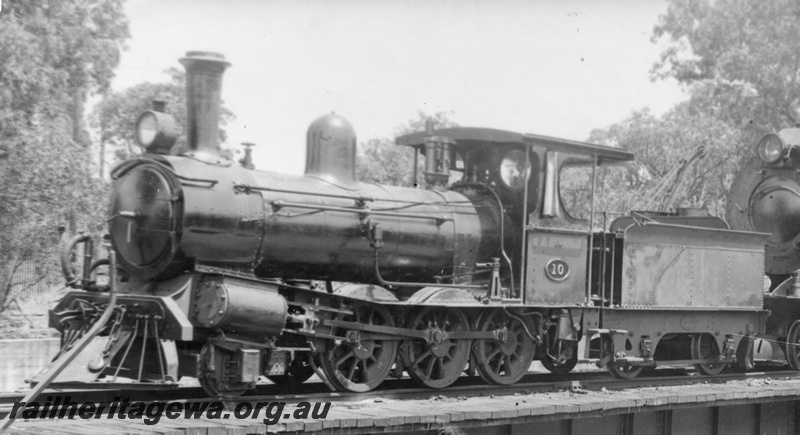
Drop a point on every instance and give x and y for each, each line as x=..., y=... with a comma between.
x=204, y=72
x=391, y=284
x=66, y=263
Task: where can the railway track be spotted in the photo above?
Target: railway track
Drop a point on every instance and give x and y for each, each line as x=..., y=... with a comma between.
x=402, y=389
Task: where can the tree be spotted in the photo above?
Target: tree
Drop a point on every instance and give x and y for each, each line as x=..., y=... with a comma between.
x=661, y=145
x=380, y=161
x=741, y=58
x=740, y=61
x=52, y=54
x=48, y=49
x=115, y=114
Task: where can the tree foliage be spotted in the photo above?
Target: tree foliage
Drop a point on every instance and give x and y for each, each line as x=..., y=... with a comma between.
x=380, y=161
x=52, y=54
x=662, y=145
x=115, y=115
x=50, y=48
x=740, y=57
x=740, y=62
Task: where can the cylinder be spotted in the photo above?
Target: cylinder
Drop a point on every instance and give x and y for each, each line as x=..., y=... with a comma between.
x=237, y=308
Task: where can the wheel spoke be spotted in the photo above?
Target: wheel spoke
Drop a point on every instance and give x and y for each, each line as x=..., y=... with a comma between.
x=429, y=368
x=346, y=356
x=352, y=371
x=494, y=353
x=429, y=318
x=495, y=366
x=424, y=355
x=440, y=362
x=364, y=372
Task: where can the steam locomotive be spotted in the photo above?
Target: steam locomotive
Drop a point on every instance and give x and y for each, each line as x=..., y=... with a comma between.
x=227, y=274
x=765, y=197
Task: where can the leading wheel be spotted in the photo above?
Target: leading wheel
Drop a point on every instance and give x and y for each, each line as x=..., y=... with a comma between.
x=503, y=363
x=359, y=363
x=793, y=345
x=439, y=363
x=705, y=347
x=210, y=356
x=299, y=371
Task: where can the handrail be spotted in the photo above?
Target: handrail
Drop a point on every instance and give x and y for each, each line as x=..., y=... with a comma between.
x=277, y=205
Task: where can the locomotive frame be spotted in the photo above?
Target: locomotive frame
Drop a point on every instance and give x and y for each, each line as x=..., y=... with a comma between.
x=218, y=262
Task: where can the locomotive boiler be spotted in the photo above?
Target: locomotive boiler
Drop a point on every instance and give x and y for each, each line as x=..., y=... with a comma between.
x=169, y=211
x=227, y=274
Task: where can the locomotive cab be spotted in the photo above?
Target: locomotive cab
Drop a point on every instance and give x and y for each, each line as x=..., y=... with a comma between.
x=550, y=248
x=559, y=245
x=487, y=161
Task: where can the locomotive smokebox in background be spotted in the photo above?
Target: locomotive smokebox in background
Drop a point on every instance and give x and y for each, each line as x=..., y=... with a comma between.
x=203, y=95
x=765, y=197
x=331, y=151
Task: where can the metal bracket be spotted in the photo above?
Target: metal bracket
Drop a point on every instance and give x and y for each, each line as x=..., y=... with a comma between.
x=494, y=293
x=646, y=347
x=607, y=331
x=729, y=348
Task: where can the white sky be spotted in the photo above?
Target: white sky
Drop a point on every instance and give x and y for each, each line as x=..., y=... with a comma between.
x=558, y=68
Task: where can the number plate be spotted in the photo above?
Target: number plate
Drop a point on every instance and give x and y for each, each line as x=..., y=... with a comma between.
x=557, y=269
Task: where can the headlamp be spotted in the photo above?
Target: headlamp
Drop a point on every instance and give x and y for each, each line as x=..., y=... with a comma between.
x=155, y=132
x=771, y=148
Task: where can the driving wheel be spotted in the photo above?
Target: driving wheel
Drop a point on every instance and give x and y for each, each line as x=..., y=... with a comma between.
x=503, y=363
x=360, y=363
x=438, y=363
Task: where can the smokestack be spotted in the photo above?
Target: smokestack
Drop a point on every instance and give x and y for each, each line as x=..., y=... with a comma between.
x=203, y=93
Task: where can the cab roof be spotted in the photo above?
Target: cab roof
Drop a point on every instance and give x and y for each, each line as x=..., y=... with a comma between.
x=474, y=137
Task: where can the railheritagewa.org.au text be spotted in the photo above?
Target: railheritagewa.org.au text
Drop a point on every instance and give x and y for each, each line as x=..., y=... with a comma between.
x=152, y=412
